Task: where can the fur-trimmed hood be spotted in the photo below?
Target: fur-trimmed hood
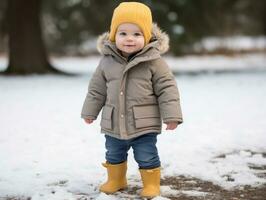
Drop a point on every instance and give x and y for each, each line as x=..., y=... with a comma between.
x=159, y=40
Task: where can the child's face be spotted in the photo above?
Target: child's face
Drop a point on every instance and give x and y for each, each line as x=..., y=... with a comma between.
x=129, y=38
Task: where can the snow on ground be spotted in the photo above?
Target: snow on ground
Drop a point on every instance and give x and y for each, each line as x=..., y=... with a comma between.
x=48, y=152
x=182, y=65
x=235, y=43
x=218, y=63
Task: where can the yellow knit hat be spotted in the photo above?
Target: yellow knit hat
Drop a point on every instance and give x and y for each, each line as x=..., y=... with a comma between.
x=132, y=12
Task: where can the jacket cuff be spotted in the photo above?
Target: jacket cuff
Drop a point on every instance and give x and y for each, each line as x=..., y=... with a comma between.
x=90, y=109
x=171, y=119
x=88, y=117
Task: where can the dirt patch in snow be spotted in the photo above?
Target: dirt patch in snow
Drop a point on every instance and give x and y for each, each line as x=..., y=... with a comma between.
x=199, y=190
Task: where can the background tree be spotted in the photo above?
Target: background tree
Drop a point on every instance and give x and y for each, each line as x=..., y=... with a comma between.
x=27, y=52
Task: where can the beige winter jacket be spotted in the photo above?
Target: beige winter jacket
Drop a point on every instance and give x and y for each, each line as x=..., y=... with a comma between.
x=135, y=95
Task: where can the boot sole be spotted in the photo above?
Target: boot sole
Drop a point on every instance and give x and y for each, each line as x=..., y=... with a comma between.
x=121, y=189
x=149, y=197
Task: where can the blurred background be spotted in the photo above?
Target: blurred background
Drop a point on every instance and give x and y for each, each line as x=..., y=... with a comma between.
x=41, y=29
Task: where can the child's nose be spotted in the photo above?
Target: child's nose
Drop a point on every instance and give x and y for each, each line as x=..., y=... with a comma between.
x=129, y=38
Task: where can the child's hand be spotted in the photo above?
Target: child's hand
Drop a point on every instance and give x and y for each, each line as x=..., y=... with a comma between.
x=88, y=121
x=171, y=125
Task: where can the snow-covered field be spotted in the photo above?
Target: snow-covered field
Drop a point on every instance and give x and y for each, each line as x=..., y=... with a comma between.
x=236, y=43
x=48, y=152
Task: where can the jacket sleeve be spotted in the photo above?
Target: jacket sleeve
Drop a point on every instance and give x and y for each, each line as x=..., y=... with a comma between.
x=166, y=90
x=96, y=95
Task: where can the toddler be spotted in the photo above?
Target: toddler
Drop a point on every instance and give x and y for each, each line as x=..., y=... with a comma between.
x=137, y=91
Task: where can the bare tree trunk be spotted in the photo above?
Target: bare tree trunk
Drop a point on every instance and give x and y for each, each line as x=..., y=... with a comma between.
x=27, y=52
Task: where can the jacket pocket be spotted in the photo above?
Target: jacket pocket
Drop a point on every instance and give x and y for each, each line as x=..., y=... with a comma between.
x=147, y=116
x=106, y=121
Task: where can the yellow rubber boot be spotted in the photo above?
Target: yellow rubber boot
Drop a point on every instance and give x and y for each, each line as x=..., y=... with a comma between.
x=116, y=178
x=151, y=182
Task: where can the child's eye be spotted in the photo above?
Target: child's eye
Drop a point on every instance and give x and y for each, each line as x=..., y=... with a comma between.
x=122, y=33
x=137, y=34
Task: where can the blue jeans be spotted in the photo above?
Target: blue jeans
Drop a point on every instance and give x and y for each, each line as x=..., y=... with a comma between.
x=144, y=149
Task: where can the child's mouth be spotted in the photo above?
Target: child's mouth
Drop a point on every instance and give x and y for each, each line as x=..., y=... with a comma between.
x=129, y=45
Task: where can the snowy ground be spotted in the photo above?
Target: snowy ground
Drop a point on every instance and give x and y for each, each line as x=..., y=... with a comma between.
x=47, y=152
x=235, y=43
